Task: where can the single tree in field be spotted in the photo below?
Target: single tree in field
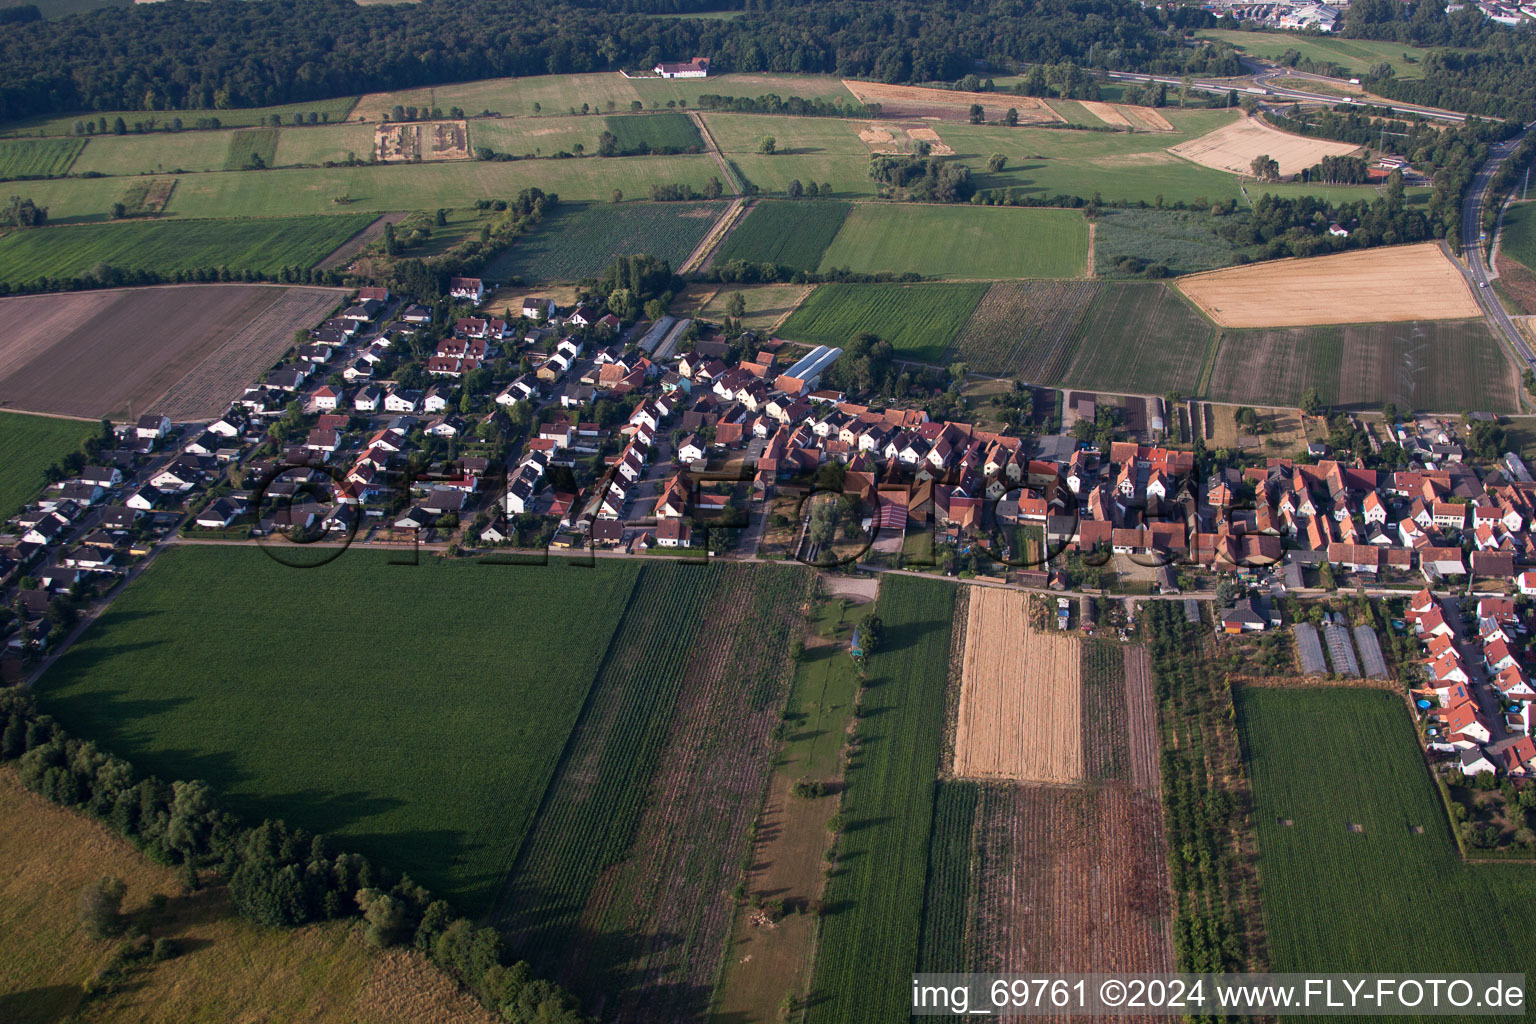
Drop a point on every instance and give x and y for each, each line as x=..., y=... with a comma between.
x=795, y=189
x=101, y=906
x=1012, y=117
x=996, y=162
x=767, y=145
x=977, y=114
x=871, y=632
x=736, y=305
x=618, y=196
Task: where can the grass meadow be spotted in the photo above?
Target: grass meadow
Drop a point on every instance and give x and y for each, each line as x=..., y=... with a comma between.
x=37, y=158
x=1184, y=241
x=965, y=242
x=1518, y=241
x=266, y=245
x=415, y=712
x=28, y=444
x=1393, y=894
x=249, y=146
x=790, y=233
x=580, y=240
x=336, y=109
x=654, y=132
x=154, y=153
x=919, y=320
x=870, y=937
x=1355, y=56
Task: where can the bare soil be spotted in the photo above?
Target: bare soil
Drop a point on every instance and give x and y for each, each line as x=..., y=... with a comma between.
x=184, y=350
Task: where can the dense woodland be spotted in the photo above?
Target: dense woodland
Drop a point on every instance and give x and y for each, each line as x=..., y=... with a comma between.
x=229, y=53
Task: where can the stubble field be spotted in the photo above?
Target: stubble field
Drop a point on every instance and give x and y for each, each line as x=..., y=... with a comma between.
x=1404, y=282
x=1234, y=147
x=194, y=347
x=950, y=104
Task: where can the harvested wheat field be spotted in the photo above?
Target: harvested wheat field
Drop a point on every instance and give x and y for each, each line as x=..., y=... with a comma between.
x=1020, y=714
x=1232, y=148
x=928, y=135
x=949, y=104
x=1403, y=282
x=1106, y=112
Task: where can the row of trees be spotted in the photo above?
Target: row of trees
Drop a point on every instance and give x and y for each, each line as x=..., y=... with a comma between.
x=227, y=53
x=278, y=876
x=1339, y=170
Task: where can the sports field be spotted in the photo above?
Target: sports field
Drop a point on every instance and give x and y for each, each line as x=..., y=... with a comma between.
x=266, y=245
x=28, y=444
x=964, y=242
x=37, y=158
x=388, y=716
x=1433, y=365
x=578, y=241
x=789, y=233
x=1358, y=870
x=1402, y=282
x=919, y=320
x=1356, y=56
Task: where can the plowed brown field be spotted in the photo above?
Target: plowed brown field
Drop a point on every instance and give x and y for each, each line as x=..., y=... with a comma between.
x=1021, y=702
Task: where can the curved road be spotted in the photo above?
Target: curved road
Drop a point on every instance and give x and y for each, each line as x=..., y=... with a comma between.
x=1476, y=269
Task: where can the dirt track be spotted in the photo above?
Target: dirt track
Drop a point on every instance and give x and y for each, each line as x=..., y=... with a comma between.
x=1393, y=283
x=1021, y=701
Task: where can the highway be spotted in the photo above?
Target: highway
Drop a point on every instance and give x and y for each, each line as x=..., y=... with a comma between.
x=1263, y=73
x=1476, y=269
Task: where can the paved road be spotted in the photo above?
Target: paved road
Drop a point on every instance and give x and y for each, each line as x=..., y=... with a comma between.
x=1263, y=73
x=1476, y=270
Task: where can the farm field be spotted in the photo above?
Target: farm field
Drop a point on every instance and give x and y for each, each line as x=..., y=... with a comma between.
x=250, y=145
x=669, y=131
x=559, y=94
x=1396, y=896
x=336, y=109
x=535, y=136
x=1008, y=665
x=1233, y=147
x=1440, y=365
x=1356, y=56
x=185, y=350
x=767, y=304
x=949, y=104
x=919, y=320
x=1403, y=282
x=28, y=445
x=616, y=891
x=316, y=145
x=871, y=935
x=1130, y=338
x=345, y=712
x=826, y=150
x=1518, y=241
x=578, y=241
x=959, y=241
x=34, y=158
x=165, y=247
x=154, y=152
x=381, y=188
x=790, y=233
x=1185, y=241
x=228, y=968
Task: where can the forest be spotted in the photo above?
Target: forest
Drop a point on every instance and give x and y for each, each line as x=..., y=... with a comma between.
x=227, y=53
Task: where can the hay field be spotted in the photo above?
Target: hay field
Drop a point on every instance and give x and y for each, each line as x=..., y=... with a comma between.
x=1405, y=282
x=1021, y=700
x=1233, y=148
x=128, y=350
x=1121, y=115
x=949, y=104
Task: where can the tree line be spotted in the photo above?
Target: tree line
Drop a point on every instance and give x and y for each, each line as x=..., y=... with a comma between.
x=278, y=876
x=227, y=54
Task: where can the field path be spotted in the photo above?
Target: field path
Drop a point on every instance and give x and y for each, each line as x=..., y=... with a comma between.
x=705, y=250
x=736, y=186
x=344, y=252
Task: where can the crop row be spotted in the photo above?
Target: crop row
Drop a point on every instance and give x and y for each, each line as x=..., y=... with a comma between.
x=951, y=887
x=1104, y=710
x=870, y=938
x=579, y=241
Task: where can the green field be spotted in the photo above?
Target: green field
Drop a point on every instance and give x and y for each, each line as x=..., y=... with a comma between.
x=319, y=144
x=1356, y=56
x=1518, y=240
x=790, y=233
x=919, y=320
x=871, y=935
x=578, y=241
x=37, y=158
x=560, y=94
x=535, y=136
x=380, y=188
x=1384, y=897
x=655, y=133
x=825, y=150
x=966, y=242
x=28, y=444
x=251, y=145
x=1137, y=338
x=1184, y=241
x=156, y=152
x=947, y=898
x=168, y=246
x=420, y=729
x=1438, y=365
x=337, y=109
